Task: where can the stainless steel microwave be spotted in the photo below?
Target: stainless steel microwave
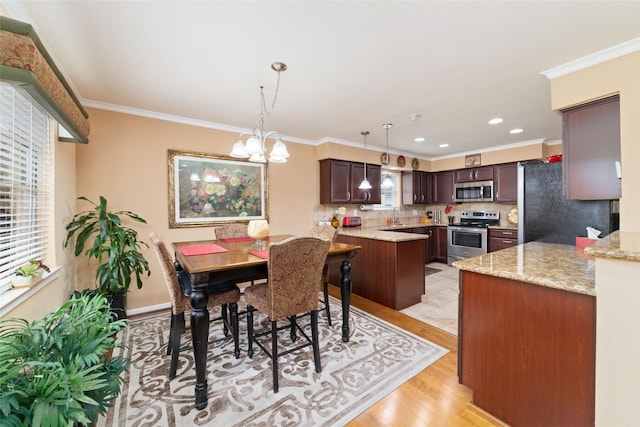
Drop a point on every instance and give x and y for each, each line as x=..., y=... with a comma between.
x=478, y=191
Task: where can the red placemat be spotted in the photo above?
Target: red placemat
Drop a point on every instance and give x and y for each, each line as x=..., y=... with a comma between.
x=261, y=254
x=202, y=250
x=238, y=239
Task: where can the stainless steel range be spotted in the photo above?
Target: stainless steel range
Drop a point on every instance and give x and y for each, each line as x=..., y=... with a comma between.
x=469, y=238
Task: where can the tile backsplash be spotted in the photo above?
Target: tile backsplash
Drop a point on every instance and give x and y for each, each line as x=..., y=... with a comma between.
x=410, y=214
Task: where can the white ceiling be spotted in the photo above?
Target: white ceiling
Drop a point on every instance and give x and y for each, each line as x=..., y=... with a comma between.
x=353, y=65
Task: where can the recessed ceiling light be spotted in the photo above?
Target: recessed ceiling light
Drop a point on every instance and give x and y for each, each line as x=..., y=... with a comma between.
x=414, y=116
x=443, y=145
x=419, y=139
x=495, y=121
x=517, y=130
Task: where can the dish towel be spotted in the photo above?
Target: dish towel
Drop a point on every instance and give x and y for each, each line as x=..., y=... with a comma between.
x=261, y=254
x=202, y=250
x=237, y=239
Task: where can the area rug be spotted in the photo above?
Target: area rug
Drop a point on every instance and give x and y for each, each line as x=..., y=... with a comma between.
x=378, y=358
x=430, y=270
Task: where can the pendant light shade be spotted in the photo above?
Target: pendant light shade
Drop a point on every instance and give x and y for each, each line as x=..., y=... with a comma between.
x=387, y=183
x=365, y=185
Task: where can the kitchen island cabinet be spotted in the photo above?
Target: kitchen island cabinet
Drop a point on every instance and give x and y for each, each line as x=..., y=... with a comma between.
x=390, y=267
x=526, y=339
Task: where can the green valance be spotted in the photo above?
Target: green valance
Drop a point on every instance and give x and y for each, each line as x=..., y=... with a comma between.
x=25, y=62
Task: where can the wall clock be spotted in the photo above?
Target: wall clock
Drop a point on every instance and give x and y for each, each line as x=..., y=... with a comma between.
x=384, y=159
x=401, y=161
x=415, y=163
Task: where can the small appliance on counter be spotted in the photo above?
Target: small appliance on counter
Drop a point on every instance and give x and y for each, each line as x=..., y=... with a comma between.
x=352, y=221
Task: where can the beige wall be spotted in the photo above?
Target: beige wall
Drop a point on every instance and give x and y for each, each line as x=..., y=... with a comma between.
x=617, y=342
x=620, y=75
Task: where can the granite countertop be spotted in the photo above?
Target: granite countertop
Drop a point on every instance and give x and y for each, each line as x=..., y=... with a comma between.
x=386, y=232
x=618, y=245
x=545, y=264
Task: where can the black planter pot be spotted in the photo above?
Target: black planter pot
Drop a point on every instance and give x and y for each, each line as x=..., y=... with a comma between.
x=117, y=307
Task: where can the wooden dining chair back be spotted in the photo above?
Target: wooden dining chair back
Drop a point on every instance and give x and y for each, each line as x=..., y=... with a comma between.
x=326, y=232
x=295, y=273
x=231, y=230
x=229, y=296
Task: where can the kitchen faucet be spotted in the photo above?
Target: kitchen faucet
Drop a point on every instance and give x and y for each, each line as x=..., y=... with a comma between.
x=394, y=218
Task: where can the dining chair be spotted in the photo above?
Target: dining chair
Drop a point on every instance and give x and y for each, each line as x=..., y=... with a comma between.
x=228, y=295
x=294, y=275
x=325, y=232
x=235, y=230
x=231, y=230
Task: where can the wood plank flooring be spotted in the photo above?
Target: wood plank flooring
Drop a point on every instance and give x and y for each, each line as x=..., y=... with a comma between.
x=433, y=397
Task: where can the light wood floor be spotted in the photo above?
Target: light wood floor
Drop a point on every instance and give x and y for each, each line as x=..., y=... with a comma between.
x=433, y=397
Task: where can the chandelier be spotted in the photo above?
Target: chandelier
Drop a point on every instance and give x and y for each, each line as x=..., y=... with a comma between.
x=255, y=147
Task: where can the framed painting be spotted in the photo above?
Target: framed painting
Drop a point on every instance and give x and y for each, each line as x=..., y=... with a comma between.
x=207, y=189
x=472, y=160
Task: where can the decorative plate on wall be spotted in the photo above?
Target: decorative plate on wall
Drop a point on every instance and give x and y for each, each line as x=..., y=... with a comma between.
x=401, y=161
x=415, y=163
x=384, y=159
x=512, y=216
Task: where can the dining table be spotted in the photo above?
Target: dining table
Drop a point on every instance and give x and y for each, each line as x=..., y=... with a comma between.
x=210, y=262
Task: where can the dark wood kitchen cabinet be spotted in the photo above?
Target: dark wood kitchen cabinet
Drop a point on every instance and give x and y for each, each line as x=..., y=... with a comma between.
x=505, y=183
x=440, y=243
x=339, y=181
x=474, y=174
x=443, y=187
x=502, y=238
x=527, y=351
x=591, y=150
x=416, y=188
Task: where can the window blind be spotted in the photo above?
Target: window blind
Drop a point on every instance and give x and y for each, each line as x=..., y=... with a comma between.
x=25, y=180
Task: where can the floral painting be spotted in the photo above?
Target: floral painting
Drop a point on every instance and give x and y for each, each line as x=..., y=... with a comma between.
x=205, y=189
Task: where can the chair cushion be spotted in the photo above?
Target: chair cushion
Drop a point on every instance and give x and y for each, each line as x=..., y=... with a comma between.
x=258, y=296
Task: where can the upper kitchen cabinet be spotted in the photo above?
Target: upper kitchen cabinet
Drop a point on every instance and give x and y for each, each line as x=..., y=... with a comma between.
x=339, y=181
x=505, y=183
x=443, y=187
x=591, y=150
x=416, y=188
x=474, y=174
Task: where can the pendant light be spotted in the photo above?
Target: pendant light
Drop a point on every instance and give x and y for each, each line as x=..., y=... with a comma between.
x=365, y=185
x=387, y=183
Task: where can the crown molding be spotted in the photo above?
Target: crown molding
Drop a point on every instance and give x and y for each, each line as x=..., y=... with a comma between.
x=489, y=149
x=593, y=59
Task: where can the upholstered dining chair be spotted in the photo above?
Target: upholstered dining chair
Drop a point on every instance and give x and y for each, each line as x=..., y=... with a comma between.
x=231, y=231
x=295, y=273
x=229, y=296
x=235, y=230
x=325, y=232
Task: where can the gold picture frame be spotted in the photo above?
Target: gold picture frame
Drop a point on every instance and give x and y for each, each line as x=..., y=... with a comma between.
x=209, y=189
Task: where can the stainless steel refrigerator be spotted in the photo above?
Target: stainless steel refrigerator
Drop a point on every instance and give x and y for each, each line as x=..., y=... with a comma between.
x=545, y=215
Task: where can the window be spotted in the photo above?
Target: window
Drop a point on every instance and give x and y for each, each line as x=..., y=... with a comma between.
x=390, y=196
x=25, y=180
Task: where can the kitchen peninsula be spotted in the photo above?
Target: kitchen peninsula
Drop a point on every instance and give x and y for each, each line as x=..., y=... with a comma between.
x=390, y=267
x=526, y=338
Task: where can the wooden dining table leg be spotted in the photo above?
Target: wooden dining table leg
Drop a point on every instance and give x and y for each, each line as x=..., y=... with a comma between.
x=345, y=296
x=199, y=337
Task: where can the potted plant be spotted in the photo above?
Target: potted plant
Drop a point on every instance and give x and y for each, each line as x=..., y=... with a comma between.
x=56, y=370
x=27, y=274
x=114, y=246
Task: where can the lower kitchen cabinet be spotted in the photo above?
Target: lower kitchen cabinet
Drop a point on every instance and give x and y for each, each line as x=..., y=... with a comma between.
x=527, y=351
x=440, y=243
x=501, y=238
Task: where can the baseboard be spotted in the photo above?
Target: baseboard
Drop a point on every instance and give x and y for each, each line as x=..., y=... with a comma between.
x=148, y=309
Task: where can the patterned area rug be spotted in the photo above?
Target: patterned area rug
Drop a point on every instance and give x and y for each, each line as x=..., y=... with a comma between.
x=430, y=270
x=355, y=375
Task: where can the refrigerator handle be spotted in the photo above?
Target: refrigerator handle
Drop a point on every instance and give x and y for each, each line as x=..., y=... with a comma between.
x=520, y=203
